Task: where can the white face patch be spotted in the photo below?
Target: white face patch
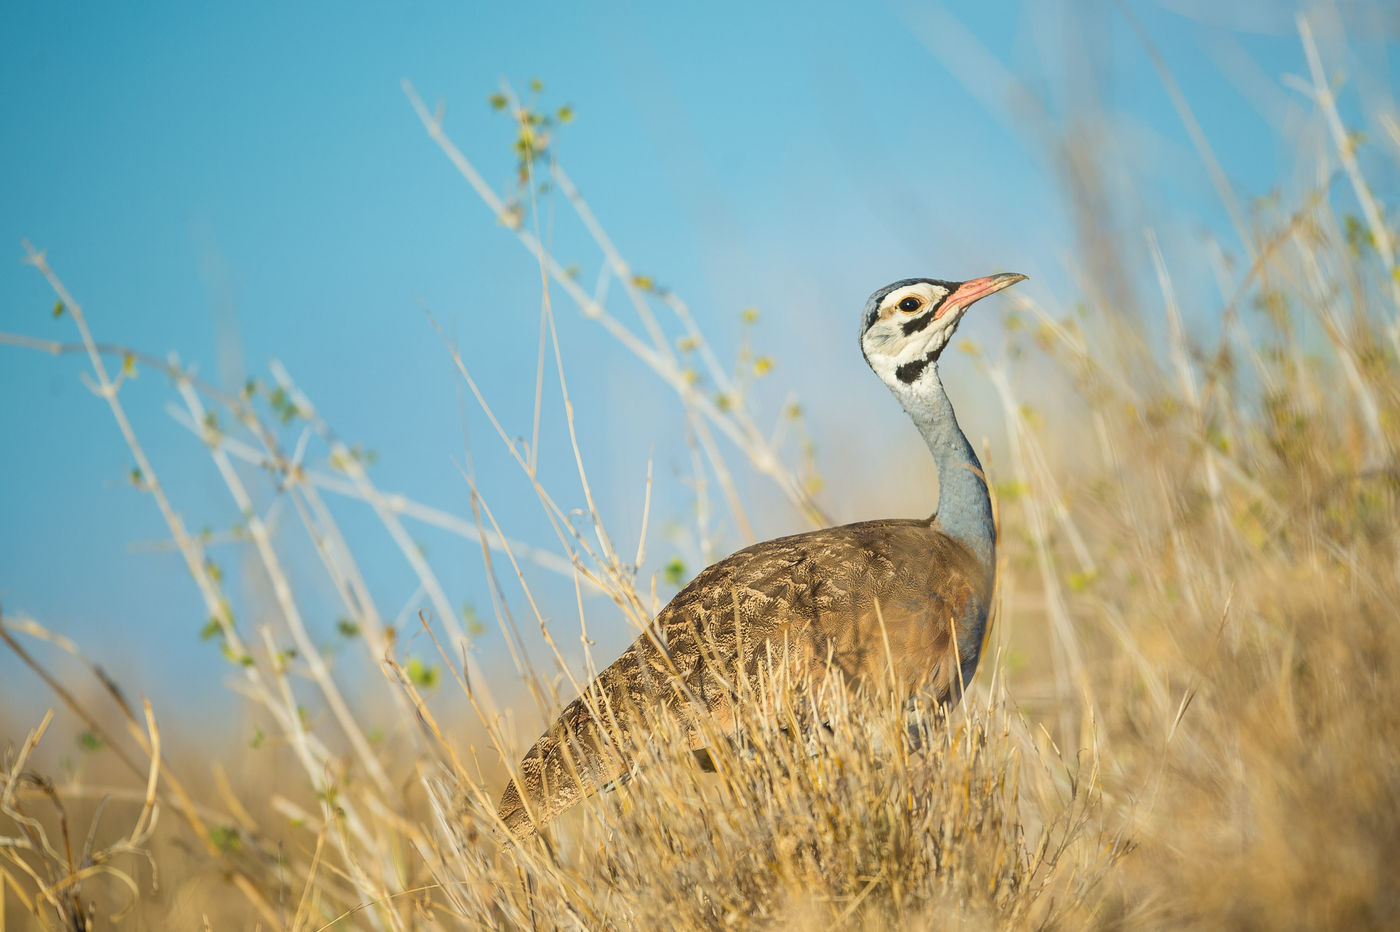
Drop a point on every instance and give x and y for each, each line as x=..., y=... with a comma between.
x=926, y=293
x=906, y=334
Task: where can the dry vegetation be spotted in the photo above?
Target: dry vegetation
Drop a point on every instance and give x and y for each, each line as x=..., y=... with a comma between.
x=1189, y=713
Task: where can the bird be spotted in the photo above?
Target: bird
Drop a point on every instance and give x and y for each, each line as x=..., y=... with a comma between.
x=911, y=594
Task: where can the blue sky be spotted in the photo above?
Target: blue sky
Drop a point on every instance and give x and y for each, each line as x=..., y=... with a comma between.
x=246, y=182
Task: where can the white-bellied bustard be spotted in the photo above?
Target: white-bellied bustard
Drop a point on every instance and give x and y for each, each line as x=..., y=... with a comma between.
x=825, y=600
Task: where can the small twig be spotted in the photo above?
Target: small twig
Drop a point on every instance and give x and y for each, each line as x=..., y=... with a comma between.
x=1375, y=222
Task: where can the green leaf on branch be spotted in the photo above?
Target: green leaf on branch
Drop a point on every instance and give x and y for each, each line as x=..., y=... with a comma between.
x=421, y=674
x=674, y=573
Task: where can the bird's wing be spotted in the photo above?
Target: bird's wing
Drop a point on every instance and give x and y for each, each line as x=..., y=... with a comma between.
x=880, y=594
x=868, y=598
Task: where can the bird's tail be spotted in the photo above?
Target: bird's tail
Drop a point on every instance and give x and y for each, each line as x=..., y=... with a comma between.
x=575, y=758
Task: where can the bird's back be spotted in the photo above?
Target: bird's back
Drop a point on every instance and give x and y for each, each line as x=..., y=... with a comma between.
x=859, y=599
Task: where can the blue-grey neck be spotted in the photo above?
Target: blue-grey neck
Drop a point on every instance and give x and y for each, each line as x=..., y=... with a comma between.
x=964, y=507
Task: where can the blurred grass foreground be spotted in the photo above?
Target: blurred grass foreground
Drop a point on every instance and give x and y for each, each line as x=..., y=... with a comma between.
x=1188, y=714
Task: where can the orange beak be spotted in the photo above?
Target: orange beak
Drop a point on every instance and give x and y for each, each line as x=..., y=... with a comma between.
x=976, y=290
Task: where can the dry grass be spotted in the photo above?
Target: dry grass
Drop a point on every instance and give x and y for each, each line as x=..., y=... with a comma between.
x=1189, y=714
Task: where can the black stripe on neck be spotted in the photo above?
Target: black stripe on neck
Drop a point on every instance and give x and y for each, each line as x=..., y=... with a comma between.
x=911, y=370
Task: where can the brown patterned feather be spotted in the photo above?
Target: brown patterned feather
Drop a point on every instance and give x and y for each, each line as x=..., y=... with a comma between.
x=791, y=603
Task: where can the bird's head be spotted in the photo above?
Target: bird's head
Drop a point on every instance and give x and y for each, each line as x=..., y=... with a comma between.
x=906, y=325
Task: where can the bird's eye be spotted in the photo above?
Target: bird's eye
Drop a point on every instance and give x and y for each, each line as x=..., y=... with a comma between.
x=910, y=304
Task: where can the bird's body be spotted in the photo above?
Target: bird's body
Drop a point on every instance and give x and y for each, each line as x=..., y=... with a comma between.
x=905, y=596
